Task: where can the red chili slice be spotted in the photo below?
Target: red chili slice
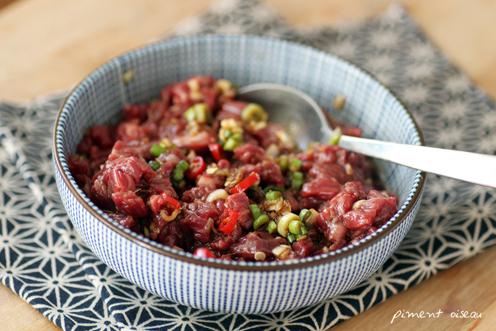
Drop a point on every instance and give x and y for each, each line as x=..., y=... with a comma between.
x=216, y=150
x=159, y=201
x=243, y=185
x=227, y=224
x=196, y=167
x=171, y=201
x=204, y=252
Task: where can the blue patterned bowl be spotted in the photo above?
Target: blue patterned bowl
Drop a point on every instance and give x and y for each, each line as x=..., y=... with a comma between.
x=242, y=287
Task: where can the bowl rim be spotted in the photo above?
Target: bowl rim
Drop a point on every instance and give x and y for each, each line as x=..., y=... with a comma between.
x=175, y=254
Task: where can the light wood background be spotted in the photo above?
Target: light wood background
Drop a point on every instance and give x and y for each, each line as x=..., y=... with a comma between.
x=49, y=45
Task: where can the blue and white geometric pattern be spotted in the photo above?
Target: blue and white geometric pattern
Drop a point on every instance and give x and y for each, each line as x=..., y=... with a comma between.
x=44, y=262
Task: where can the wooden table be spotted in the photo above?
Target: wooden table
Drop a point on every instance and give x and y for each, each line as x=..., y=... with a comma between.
x=49, y=45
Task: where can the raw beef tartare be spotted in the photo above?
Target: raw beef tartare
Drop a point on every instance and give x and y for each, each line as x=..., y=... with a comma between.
x=201, y=171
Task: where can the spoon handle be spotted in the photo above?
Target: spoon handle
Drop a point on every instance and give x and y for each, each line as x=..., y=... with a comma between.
x=469, y=167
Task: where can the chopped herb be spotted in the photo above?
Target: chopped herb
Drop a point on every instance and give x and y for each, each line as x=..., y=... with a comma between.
x=271, y=227
x=157, y=149
x=179, y=170
x=260, y=221
x=255, y=211
x=154, y=165
x=297, y=180
x=295, y=165
x=335, y=137
x=273, y=195
x=295, y=226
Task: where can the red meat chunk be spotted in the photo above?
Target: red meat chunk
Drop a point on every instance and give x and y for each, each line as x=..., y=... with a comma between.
x=249, y=153
x=129, y=203
x=197, y=141
x=174, y=235
x=151, y=195
x=304, y=247
x=231, y=109
x=240, y=203
x=321, y=188
x=257, y=241
x=199, y=218
x=376, y=210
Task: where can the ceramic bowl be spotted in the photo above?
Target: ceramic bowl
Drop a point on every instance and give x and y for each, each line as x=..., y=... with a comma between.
x=230, y=286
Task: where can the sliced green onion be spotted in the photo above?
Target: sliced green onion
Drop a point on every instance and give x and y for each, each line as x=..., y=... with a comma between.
x=310, y=220
x=177, y=176
x=303, y=230
x=157, y=149
x=254, y=113
x=304, y=214
x=273, y=195
x=201, y=111
x=231, y=144
x=190, y=115
x=179, y=170
x=283, y=223
x=335, y=136
x=224, y=85
x=297, y=180
x=283, y=162
x=219, y=194
x=294, y=227
x=227, y=134
x=273, y=188
x=182, y=165
x=294, y=165
x=233, y=140
x=238, y=136
x=197, y=113
x=300, y=236
x=260, y=221
x=291, y=238
x=154, y=165
x=271, y=227
x=255, y=211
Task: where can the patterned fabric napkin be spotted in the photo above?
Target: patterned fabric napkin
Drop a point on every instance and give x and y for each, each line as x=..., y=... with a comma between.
x=45, y=263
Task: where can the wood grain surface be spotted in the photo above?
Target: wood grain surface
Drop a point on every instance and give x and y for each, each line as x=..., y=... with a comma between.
x=49, y=45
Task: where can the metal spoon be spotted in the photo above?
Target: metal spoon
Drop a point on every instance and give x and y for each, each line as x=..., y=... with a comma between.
x=302, y=117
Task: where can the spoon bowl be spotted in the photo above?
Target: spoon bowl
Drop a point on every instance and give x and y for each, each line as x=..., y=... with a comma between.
x=305, y=120
x=293, y=109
